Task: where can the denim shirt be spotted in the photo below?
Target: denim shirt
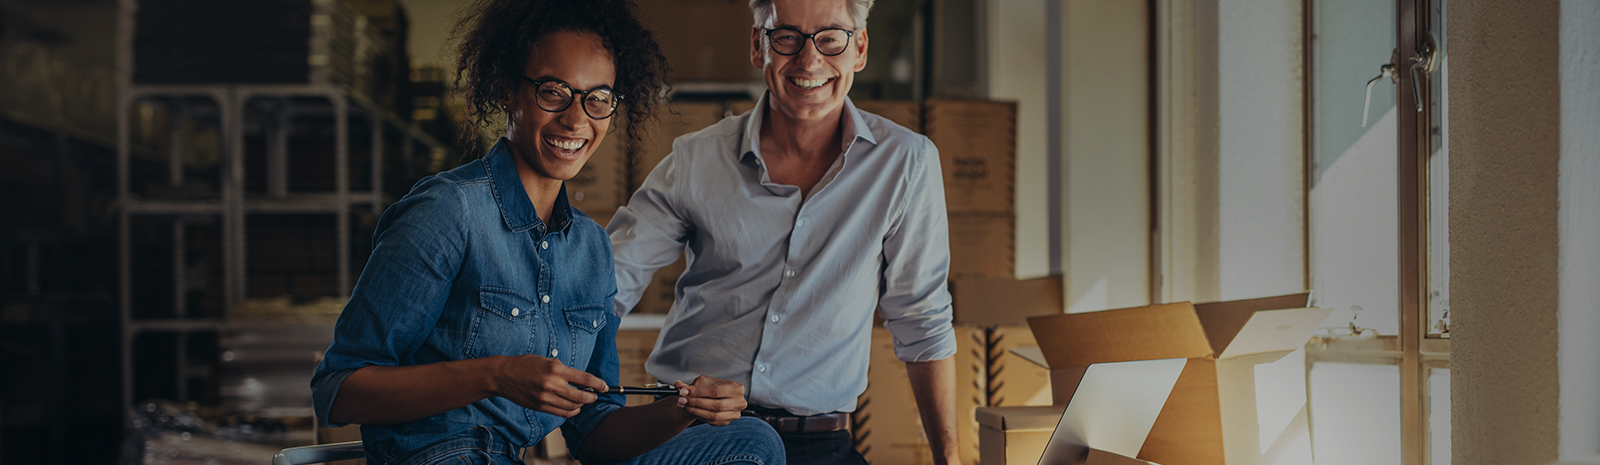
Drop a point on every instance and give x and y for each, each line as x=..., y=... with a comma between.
x=463, y=268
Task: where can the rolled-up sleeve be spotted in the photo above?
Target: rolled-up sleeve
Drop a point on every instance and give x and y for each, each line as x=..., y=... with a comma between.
x=915, y=303
x=417, y=251
x=646, y=234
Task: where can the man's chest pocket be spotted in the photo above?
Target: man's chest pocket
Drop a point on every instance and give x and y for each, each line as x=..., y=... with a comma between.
x=584, y=322
x=502, y=324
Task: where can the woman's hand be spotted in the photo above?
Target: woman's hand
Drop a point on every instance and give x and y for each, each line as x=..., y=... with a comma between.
x=546, y=385
x=711, y=400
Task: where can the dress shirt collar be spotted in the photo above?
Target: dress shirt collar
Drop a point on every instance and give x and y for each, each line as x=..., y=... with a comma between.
x=855, y=128
x=515, y=206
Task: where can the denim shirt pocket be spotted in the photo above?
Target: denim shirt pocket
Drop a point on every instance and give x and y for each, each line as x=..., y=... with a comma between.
x=585, y=323
x=503, y=324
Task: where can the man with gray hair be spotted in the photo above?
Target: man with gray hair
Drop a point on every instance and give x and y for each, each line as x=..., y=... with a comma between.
x=800, y=217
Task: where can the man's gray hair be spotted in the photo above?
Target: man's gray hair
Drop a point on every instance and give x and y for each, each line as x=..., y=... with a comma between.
x=765, y=16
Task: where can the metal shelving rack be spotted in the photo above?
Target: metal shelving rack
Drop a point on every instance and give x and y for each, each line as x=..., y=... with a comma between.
x=233, y=204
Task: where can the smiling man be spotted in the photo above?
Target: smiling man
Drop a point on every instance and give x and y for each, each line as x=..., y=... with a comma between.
x=800, y=218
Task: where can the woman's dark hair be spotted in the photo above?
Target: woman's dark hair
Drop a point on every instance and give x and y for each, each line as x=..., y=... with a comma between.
x=496, y=35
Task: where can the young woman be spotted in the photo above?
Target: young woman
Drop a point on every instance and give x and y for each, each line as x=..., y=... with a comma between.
x=483, y=319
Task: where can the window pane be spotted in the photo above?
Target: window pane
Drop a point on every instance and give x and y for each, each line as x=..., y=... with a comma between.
x=1354, y=225
x=1439, y=416
x=1439, y=187
x=1355, y=413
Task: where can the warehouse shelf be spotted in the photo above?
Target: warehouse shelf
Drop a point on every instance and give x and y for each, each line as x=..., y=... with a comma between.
x=231, y=107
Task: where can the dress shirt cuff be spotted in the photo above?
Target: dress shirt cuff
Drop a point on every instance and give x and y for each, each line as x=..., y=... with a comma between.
x=324, y=389
x=938, y=343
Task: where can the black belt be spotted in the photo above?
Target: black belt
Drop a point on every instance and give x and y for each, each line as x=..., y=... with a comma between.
x=787, y=423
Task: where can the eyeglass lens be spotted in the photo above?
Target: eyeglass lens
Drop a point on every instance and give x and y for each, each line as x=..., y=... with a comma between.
x=829, y=42
x=554, y=97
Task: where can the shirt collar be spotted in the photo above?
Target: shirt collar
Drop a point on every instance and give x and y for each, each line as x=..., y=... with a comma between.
x=855, y=128
x=515, y=207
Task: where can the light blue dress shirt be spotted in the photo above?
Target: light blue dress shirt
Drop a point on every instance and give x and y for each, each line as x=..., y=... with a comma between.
x=780, y=288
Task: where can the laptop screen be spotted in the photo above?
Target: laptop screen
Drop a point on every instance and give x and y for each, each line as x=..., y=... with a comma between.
x=1113, y=409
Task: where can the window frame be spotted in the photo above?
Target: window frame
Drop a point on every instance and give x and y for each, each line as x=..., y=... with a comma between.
x=1414, y=350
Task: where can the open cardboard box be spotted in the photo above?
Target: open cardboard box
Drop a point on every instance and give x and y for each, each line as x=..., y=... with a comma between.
x=1113, y=407
x=1190, y=429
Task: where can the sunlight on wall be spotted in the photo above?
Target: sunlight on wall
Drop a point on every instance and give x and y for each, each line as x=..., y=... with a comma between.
x=1356, y=408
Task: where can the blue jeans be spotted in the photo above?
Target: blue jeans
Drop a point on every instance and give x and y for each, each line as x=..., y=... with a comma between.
x=747, y=441
x=832, y=447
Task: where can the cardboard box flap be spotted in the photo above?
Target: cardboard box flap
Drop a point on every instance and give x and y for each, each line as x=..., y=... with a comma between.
x=1122, y=335
x=1031, y=354
x=1276, y=331
x=1020, y=418
x=1269, y=324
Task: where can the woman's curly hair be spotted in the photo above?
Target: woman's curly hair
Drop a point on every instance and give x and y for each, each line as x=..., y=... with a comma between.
x=495, y=37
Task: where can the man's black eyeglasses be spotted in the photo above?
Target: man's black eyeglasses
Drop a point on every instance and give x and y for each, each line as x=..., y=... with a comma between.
x=829, y=42
x=555, y=96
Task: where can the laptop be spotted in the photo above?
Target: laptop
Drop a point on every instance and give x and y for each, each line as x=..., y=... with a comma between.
x=1112, y=410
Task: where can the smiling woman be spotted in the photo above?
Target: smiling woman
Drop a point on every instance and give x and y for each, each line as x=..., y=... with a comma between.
x=481, y=322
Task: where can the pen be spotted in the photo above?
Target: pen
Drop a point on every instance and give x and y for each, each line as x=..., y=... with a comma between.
x=637, y=391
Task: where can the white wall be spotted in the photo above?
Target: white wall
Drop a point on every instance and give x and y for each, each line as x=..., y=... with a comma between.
x=1259, y=99
x=1015, y=65
x=1579, y=352
x=1102, y=122
x=1107, y=154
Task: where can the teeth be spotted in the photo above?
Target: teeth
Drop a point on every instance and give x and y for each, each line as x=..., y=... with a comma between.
x=566, y=145
x=808, y=83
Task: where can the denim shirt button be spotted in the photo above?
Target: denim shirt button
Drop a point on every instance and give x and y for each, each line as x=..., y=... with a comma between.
x=545, y=298
x=554, y=352
x=515, y=312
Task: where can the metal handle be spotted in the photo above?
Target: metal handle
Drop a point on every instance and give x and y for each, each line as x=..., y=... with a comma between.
x=1385, y=71
x=1422, y=64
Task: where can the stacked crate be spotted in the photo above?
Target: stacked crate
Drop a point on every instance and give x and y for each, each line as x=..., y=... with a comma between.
x=977, y=150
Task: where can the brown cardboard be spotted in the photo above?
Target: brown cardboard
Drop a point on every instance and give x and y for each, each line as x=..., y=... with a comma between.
x=889, y=428
x=1225, y=322
x=1011, y=381
x=679, y=118
x=980, y=301
x=982, y=246
x=907, y=114
x=1015, y=435
x=1123, y=335
x=1190, y=430
x=704, y=40
x=977, y=151
x=1018, y=435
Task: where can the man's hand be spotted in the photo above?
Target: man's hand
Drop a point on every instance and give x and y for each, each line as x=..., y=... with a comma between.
x=545, y=385
x=711, y=400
